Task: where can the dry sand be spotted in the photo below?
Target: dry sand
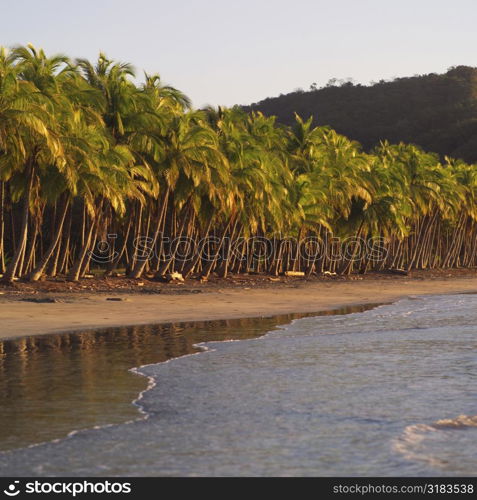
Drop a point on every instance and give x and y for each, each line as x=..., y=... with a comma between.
x=73, y=312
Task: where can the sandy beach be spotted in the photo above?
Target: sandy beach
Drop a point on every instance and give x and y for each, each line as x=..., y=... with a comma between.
x=62, y=312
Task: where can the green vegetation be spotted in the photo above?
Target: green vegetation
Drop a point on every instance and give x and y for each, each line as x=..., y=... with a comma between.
x=85, y=153
x=437, y=112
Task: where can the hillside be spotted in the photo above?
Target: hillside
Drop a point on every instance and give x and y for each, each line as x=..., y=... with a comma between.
x=437, y=112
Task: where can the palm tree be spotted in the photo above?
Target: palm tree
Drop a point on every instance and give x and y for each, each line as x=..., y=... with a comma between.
x=27, y=136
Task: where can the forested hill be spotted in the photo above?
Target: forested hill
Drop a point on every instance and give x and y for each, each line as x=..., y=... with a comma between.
x=436, y=112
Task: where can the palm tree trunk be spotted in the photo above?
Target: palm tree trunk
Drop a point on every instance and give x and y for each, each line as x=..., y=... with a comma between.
x=75, y=272
x=29, y=255
x=12, y=266
x=36, y=274
x=141, y=263
x=115, y=261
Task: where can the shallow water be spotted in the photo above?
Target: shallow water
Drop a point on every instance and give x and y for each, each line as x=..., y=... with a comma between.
x=51, y=385
x=389, y=391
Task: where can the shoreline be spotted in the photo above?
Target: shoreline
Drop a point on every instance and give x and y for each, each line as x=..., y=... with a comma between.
x=24, y=316
x=78, y=359
x=142, y=412
x=351, y=293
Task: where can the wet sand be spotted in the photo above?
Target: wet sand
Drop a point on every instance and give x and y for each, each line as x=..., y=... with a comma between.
x=72, y=312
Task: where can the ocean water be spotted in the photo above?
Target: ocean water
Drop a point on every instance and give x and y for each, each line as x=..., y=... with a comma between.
x=390, y=391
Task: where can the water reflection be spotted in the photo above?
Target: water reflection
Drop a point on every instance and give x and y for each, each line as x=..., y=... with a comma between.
x=53, y=384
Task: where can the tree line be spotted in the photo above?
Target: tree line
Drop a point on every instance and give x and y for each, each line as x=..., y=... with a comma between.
x=86, y=153
x=436, y=111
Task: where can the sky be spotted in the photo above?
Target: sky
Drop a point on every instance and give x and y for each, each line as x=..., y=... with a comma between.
x=224, y=52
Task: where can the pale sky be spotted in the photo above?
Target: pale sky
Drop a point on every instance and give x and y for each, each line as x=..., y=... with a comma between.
x=237, y=52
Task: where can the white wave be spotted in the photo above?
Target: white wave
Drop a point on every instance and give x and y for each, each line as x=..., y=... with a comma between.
x=414, y=444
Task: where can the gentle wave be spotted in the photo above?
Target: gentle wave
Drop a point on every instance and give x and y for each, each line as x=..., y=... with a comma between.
x=461, y=422
x=428, y=442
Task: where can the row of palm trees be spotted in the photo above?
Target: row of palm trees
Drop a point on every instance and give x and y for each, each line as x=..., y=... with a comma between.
x=89, y=156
